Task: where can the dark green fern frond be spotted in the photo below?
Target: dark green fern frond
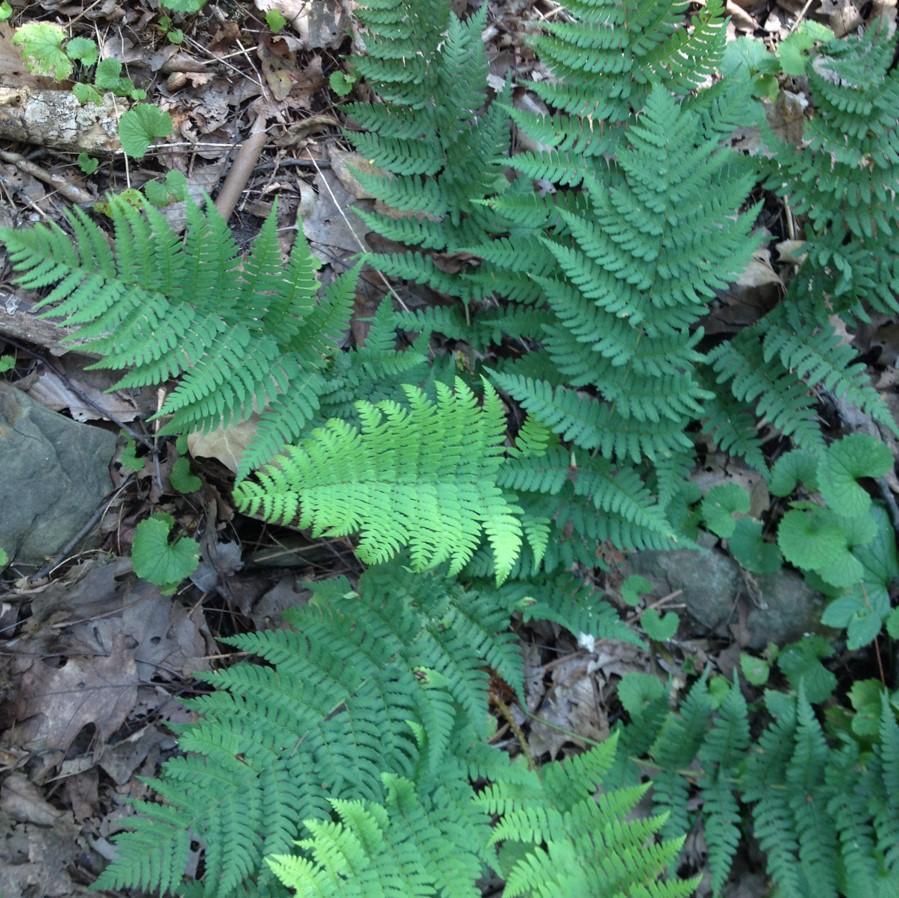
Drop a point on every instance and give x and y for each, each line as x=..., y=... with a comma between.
x=637, y=273
x=607, y=59
x=387, y=679
x=239, y=338
x=563, y=841
x=422, y=476
x=436, y=151
x=817, y=805
x=845, y=175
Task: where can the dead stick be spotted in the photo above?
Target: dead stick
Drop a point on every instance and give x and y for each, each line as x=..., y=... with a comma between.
x=242, y=168
x=67, y=189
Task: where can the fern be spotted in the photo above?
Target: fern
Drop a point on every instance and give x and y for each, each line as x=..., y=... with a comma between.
x=817, y=805
x=637, y=272
x=607, y=59
x=387, y=679
x=438, y=157
x=240, y=337
x=845, y=175
x=423, y=477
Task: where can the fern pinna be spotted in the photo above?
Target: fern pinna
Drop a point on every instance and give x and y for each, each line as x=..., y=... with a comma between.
x=240, y=335
x=438, y=156
x=820, y=805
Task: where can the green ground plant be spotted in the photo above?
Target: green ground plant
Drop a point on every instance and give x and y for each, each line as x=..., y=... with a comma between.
x=352, y=758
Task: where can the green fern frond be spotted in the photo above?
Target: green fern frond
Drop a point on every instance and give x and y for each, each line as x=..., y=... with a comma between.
x=238, y=338
x=423, y=477
x=337, y=700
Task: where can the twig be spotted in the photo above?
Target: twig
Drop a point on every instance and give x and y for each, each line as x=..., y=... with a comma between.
x=98, y=515
x=241, y=169
x=352, y=230
x=799, y=18
x=58, y=182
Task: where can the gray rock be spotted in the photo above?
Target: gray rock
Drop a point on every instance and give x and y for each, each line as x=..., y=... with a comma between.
x=785, y=609
x=54, y=473
x=775, y=608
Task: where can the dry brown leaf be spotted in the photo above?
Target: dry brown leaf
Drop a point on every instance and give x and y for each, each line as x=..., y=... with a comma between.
x=227, y=445
x=55, y=703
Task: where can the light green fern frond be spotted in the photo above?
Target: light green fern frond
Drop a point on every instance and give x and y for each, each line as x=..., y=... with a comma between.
x=422, y=476
x=565, y=842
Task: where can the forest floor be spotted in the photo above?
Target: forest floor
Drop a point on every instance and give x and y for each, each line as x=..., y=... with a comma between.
x=93, y=662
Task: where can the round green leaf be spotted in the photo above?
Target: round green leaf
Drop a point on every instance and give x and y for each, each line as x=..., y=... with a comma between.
x=657, y=627
x=5, y=11
x=182, y=479
x=750, y=549
x=158, y=561
x=799, y=467
x=810, y=538
x=87, y=164
x=83, y=50
x=756, y=670
x=892, y=623
x=183, y=5
x=634, y=588
x=845, y=461
x=86, y=93
x=140, y=126
x=41, y=44
x=720, y=504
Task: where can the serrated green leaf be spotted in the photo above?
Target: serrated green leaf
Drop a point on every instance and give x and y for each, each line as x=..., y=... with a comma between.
x=794, y=51
x=140, y=126
x=840, y=467
x=341, y=83
x=750, y=549
x=878, y=555
x=7, y=363
x=756, y=670
x=275, y=20
x=4, y=558
x=892, y=624
x=811, y=538
x=157, y=560
x=128, y=457
x=183, y=5
x=108, y=77
x=658, y=627
x=182, y=479
x=83, y=50
x=861, y=612
x=87, y=164
x=720, y=504
x=866, y=698
x=634, y=588
x=86, y=93
x=5, y=11
x=796, y=468
x=801, y=664
x=41, y=44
